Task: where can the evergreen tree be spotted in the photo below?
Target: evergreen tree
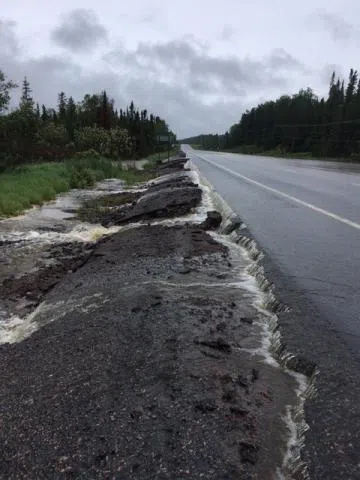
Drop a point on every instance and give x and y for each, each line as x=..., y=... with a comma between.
x=32, y=130
x=26, y=100
x=5, y=87
x=71, y=115
x=351, y=87
x=37, y=112
x=105, y=111
x=62, y=107
x=44, y=113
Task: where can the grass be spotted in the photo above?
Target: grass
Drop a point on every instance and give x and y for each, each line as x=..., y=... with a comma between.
x=156, y=158
x=255, y=150
x=132, y=176
x=92, y=210
x=28, y=185
x=23, y=187
x=296, y=155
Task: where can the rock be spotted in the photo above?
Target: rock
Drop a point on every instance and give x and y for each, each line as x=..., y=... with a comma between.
x=165, y=203
x=176, y=182
x=212, y=222
x=172, y=166
x=247, y=320
x=137, y=413
x=229, y=396
x=235, y=223
x=219, y=344
x=239, y=411
x=156, y=303
x=254, y=374
x=221, y=276
x=220, y=327
x=301, y=365
x=206, y=406
x=248, y=452
x=184, y=270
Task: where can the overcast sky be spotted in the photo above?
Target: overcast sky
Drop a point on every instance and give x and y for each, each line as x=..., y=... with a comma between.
x=199, y=64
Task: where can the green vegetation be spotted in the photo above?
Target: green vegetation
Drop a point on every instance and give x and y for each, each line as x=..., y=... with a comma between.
x=131, y=176
x=157, y=158
x=93, y=209
x=29, y=185
x=299, y=126
x=46, y=151
x=32, y=133
x=275, y=152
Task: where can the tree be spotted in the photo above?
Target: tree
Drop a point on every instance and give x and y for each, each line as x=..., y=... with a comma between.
x=105, y=111
x=5, y=87
x=26, y=100
x=62, y=106
x=44, y=113
x=351, y=88
x=37, y=112
x=32, y=131
x=51, y=134
x=300, y=123
x=70, y=117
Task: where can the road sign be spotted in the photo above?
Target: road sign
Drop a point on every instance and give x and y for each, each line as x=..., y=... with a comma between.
x=164, y=138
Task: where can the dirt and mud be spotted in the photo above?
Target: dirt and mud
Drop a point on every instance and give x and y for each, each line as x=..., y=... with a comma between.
x=138, y=360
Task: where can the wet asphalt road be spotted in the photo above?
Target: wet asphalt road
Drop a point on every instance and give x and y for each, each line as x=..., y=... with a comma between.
x=305, y=216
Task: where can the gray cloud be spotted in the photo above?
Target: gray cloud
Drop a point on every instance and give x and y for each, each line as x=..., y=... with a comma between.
x=193, y=65
x=199, y=75
x=327, y=71
x=180, y=79
x=337, y=26
x=227, y=33
x=181, y=107
x=280, y=59
x=8, y=40
x=79, y=31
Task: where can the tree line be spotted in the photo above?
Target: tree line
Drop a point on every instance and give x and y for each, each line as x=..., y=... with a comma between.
x=323, y=127
x=32, y=132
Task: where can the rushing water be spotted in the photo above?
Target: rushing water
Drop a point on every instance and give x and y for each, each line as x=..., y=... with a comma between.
x=24, y=237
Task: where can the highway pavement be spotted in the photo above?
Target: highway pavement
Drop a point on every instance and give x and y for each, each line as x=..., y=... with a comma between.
x=305, y=217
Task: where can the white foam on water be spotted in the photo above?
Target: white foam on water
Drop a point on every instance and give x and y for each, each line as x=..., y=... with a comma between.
x=199, y=213
x=245, y=255
x=16, y=329
x=263, y=298
x=82, y=232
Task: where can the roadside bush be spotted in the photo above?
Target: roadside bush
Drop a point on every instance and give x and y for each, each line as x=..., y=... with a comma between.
x=51, y=134
x=82, y=177
x=92, y=138
x=91, y=153
x=114, y=143
x=120, y=144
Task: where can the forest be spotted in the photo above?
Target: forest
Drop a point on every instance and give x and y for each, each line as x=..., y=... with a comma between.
x=32, y=132
x=299, y=124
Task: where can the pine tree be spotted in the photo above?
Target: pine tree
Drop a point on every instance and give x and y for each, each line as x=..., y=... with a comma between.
x=5, y=87
x=62, y=106
x=350, y=90
x=26, y=100
x=44, y=113
x=37, y=112
x=105, y=108
x=70, y=122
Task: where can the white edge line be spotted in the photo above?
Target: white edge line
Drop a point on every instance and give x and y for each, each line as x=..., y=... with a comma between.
x=332, y=215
